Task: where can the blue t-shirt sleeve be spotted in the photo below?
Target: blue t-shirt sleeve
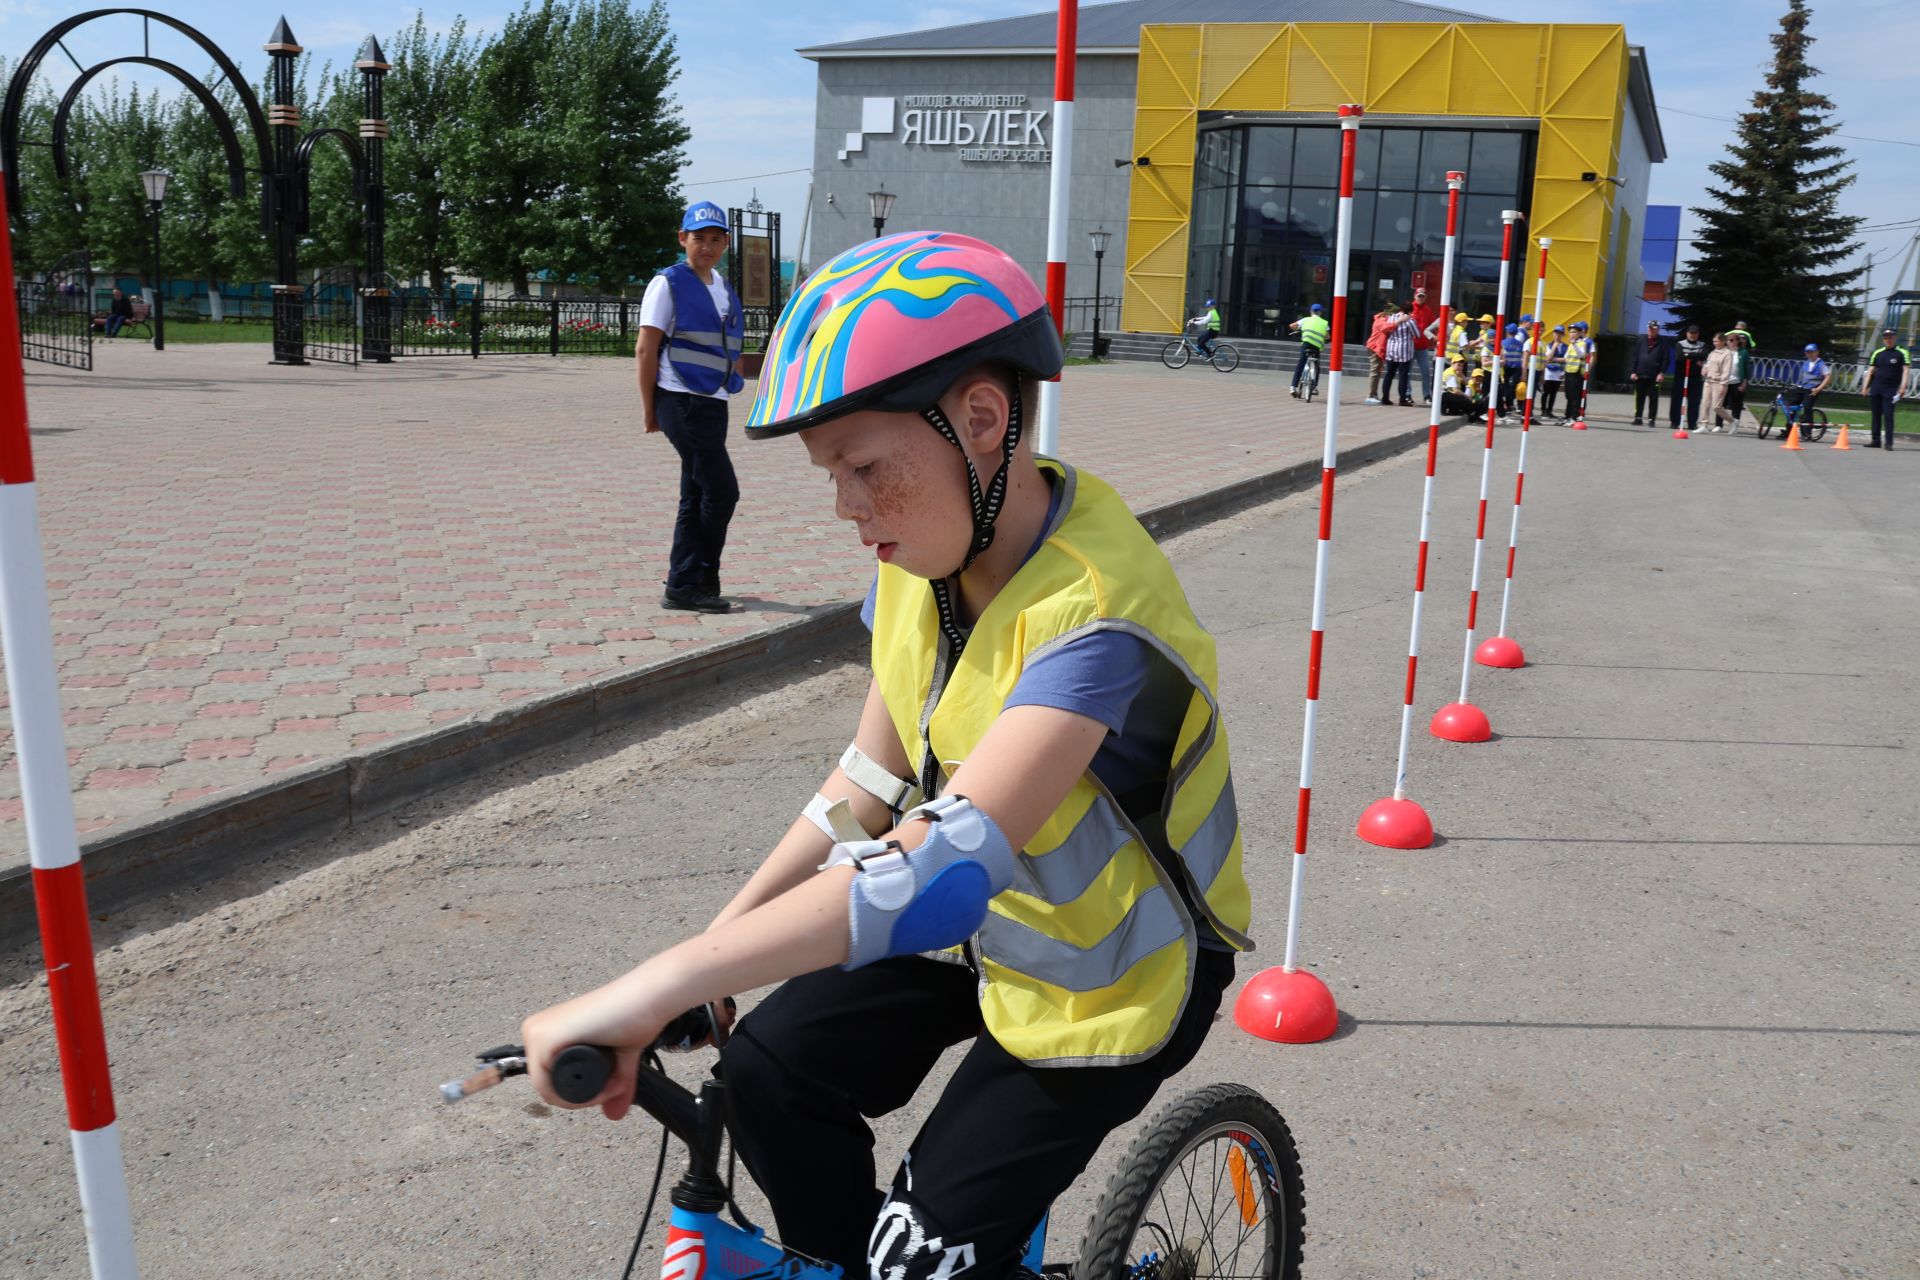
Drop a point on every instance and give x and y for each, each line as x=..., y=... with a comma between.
x=1098, y=676
x=866, y=606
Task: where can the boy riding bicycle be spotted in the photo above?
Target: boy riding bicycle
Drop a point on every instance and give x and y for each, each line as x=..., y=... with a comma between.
x=1314, y=331
x=1031, y=846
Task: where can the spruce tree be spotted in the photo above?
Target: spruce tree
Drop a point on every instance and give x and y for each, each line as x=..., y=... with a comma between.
x=1771, y=252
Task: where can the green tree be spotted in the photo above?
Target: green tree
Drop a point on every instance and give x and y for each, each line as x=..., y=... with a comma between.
x=1770, y=252
x=570, y=160
x=111, y=140
x=48, y=224
x=208, y=233
x=426, y=97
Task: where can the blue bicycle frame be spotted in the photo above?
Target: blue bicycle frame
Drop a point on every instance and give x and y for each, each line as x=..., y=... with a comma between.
x=701, y=1245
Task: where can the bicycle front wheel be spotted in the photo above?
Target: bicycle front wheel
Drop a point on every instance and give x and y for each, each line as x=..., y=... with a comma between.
x=1210, y=1189
x=1815, y=428
x=1312, y=382
x=1176, y=355
x=1767, y=423
x=1225, y=358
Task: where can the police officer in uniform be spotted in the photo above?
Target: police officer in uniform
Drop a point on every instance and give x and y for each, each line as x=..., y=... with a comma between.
x=1887, y=378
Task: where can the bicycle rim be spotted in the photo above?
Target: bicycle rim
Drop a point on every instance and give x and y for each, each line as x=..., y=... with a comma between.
x=1175, y=356
x=1225, y=358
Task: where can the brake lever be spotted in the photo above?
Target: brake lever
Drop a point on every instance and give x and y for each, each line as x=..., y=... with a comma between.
x=495, y=1065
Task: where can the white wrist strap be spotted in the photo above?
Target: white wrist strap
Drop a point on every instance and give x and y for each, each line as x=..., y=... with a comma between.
x=834, y=818
x=895, y=793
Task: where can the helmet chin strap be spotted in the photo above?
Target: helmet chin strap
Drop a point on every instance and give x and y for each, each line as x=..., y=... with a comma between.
x=986, y=501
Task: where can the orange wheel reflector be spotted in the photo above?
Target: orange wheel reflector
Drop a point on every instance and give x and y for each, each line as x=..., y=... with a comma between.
x=1243, y=1188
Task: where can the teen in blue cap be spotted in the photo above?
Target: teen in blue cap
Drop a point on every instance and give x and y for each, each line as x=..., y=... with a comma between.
x=693, y=318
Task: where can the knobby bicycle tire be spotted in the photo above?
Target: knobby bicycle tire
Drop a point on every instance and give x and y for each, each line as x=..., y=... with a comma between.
x=1226, y=358
x=1242, y=1117
x=1175, y=355
x=1815, y=428
x=1767, y=423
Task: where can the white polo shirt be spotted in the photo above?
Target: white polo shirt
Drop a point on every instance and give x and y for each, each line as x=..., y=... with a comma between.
x=656, y=312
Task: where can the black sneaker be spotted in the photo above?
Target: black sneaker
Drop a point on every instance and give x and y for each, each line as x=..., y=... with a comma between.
x=1636, y=422
x=694, y=603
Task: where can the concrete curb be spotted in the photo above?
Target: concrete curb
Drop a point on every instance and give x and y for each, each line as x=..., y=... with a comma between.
x=201, y=841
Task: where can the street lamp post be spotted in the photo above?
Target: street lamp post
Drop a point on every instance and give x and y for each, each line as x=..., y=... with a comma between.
x=155, y=181
x=881, y=202
x=1100, y=238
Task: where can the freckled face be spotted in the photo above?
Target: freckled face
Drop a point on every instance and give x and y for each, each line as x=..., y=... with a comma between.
x=903, y=486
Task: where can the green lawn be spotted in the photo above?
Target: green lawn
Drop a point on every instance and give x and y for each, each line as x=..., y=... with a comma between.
x=1853, y=411
x=191, y=331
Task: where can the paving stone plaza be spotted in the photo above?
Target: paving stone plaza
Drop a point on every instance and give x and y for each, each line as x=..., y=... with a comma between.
x=256, y=568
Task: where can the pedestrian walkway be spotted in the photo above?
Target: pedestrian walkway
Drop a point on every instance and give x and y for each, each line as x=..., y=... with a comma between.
x=253, y=569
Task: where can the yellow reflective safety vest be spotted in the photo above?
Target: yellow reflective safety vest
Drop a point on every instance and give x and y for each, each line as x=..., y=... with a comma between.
x=1088, y=957
x=1577, y=355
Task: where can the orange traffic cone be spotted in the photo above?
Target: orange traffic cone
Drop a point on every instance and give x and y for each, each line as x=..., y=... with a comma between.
x=1793, y=437
x=1841, y=443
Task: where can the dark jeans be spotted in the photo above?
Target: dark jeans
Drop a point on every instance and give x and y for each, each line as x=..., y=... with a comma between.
x=1646, y=399
x=1300, y=364
x=1882, y=403
x=1549, y=392
x=1576, y=395
x=1736, y=401
x=1695, y=387
x=1423, y=357
x=1400, y=371
x=696, y=426
x=115, y=324
x=826, y=1052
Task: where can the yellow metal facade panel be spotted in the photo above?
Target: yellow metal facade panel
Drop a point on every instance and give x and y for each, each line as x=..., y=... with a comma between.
x=1571, y=79
x=1410, y=68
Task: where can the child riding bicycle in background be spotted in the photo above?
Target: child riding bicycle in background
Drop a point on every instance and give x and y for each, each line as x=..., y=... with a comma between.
x=1030, y=848
x=1810, y=379
x=1314, y=331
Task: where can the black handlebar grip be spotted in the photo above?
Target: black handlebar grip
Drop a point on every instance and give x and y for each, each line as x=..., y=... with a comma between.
x=581, y=1072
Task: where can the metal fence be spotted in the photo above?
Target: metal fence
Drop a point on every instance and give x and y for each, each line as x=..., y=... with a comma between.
x=428, y=325
x=56, y=314
x=1784, y=371
x=1078, y=314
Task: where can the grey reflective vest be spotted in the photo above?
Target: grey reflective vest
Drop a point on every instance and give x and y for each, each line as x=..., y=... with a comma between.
x=704, y=349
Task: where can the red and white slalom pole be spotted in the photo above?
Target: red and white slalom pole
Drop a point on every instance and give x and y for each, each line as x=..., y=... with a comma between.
x=1680, y=431
x=1289, y=1004
x=1397, y=822
x=59, y=891
x=1066, y=49
x=1503, y=650
x=1461, y=721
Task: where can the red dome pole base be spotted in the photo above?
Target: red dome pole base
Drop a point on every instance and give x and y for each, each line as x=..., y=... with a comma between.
x=1683, y=434
x=1500, y=651
x=1581, y=425
x=1396, y=824
x=1287, y=1007
x=1461, y=722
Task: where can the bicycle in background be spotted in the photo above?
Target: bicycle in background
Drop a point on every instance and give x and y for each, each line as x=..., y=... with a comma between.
x=1224, y=356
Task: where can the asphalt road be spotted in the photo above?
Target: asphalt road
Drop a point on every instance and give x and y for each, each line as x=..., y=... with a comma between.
x=1649, y=1010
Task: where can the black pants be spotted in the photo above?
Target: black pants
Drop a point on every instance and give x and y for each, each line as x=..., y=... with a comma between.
x=1300, y=363
x=1883, y=405
x=1576, y=395
x=1400, y=371
x=696, y=426
x=1736, y=400
x=826, y=1052
x=1695, y=387
x=1549, y=392
x=1646, y=396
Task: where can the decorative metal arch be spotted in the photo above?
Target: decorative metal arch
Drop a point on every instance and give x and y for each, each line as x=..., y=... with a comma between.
x=229, y=138
x=303, y=166
x=54, y=38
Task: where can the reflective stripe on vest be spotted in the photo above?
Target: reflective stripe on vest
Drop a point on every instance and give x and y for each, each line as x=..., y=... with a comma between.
x=1088, y=956
x=703, y=347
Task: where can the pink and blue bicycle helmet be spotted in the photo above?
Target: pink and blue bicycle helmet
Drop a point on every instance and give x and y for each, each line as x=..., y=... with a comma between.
x=889, y=325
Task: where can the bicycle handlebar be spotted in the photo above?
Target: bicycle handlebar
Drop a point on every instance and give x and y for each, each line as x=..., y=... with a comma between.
x=580, y=1071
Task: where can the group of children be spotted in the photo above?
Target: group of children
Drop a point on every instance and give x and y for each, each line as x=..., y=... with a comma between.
x=1486, y=365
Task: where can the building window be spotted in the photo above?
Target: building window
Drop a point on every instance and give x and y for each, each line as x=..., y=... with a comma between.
x=1266, y=204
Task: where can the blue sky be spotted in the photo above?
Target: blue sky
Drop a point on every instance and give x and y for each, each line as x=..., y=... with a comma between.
x=749, y=98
